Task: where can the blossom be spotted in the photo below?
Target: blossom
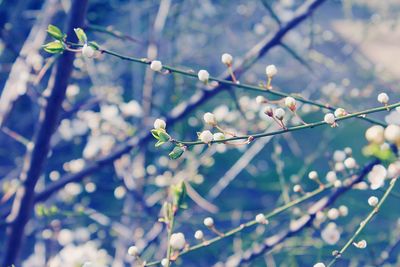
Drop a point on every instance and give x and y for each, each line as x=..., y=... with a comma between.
x=360, y=244
x=340, y=112
x=88, y=51
x=329, y=118
x=392, y=133
x=319, y=264
x=133, y=251
x=260, y=218
x=279, y=113
x=203, y=76
x=159, y=124
x=199, y=235
x=290, y=102
x=313, y=175
x=209, y=222
x=375, y=134
x=227, y=59
x=383, y=98
x=271, y=71
x=350, y=163
x=209, y=118
x=177, y=241
x=218, y=136
x=377, y=176
x=330, y=234
x=373, y=201
x=156, y=65
x=206, y=136
x=260, y=99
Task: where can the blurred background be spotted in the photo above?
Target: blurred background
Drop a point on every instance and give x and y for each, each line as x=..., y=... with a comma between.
x=344, y=54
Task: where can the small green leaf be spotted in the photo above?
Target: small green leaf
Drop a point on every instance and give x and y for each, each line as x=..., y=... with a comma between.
x=176, y=152
x=81, y=35
x=94, y=45
x=154, y=132
x=159, y=143
x=55, y=47
x=178, y=194
x=163, y=136
x=55, y=32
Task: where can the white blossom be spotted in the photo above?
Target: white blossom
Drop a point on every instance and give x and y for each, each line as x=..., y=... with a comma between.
x=373, y=201
x=392, y=133
x=350, y=163
x=383, y=98
x=177, y=241
x=360, y=244
x=271, y=71
x=227, y=59
x=340, y=112
x=209, y=222
x=290, y=102
x=377, y=176
x=279, y=113
x=375, y=134
x=133, y=251
x=209, y=118
x=159, y=124
x=206, y=136
x=329, y=118
x=156, y=65
x=218, y=136
x=260, y=218
x=199, y=235
x=330, y=234
x=88, y=51
x=203, y=76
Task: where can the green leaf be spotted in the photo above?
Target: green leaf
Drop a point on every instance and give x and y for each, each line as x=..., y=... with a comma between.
x=163, y=136
x=55, y=47
x=94, y=45
x=55, y=32
x=154, y=132
x=178, y=194
x=176, y=152
x=81, y=35
x=159, y=143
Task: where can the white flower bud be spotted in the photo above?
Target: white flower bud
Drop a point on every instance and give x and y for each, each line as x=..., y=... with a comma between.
x=392, y=133
x=203, y=76
x=271, y=71
x=177, y=241
x=383, y=98
x=260, y=99
x=339, y=155
x=340, y=112
x=206, y=136
x=373, y=201
x=199, y=235
x=319, y=264
x=209, y=118
x=339, y=167
x=343, y=210
x=350, y=163
x=297, y=188
x=88, y=51
x=361, y=244
x=218, y=136
x=329, y=118
x=333, y=214
x=313, y=175
x=331, y=176
x=290, y=102
x=260, y=218
x=209, y=222
x=164, y=262
x=337, y=183
x=279, y=113
x=375, y=134
x=227, y=59
x=269, y=111
x=133, y=251
x=156, y=65
x=159, y=124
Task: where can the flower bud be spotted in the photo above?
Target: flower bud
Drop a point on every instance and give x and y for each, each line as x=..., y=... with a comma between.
x=209, y=118
x=290, y=102
x=133, y=251
x=260, y=99
x=361, y=244
x=297, y=188
x=156, y=65
x=206, y=136
x=319, y=264
x=383, y=98
x=329, y=118
x=392, y=133
x=209, y=222
x=159, y=124
x=373, y=201
x=203, y=76
x=375, y=134
x=350, y=163
x=313, y=175
x=177, y=241
x=199, y=235
x=260, y=218
x=218, y=136
x=88, y=51
x=227, y=59
x=269, y=111
x=279, y=113
x=340, y=112
x=271, y=71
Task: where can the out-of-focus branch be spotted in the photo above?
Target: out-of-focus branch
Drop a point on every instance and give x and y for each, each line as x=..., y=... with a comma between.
x=185, y=108
x=306, y=220
x=37, y=153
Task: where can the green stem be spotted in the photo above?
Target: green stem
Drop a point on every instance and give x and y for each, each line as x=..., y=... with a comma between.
x=191, y=73
x=253, y=222
x=170, y=230
x=292, y=129
x=365, y=222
